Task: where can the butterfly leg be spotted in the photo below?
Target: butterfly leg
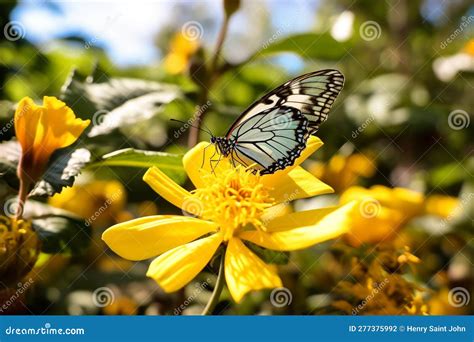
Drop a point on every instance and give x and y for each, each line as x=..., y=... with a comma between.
x=216, y=161
x=204, y=155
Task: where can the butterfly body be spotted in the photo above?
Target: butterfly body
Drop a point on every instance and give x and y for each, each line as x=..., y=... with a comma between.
x=271, y=134
x=224, y=146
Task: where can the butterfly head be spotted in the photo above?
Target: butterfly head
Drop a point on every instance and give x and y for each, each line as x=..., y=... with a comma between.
x=222, y=145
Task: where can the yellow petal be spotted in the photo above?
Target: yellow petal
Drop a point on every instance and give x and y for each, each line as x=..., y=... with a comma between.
x=411, y=203
x=244, y=271
x=298, y=183
x=443, y=206
x=381, y=225
x=177, y=267
x=61, y=123
x=197, y=162
x=303, y=229
x=193, y=160
x=166, y=187
x=150, y=236
x=43, y=129
x=27, y=115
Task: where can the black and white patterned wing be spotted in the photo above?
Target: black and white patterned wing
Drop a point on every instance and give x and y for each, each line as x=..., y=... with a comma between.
x=270, y=140
x=312, y=94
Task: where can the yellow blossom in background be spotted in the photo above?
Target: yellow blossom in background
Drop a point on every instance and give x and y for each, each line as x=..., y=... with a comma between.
x=181, y=51
x=121, y=305
x=469, y=47
x=377, y=286
x=41, y=130
x=342, y=172
x=441, y=303
x=228, y=208
x=443, y=206
x=19, y=250
x=98, y=202
x=383, y=211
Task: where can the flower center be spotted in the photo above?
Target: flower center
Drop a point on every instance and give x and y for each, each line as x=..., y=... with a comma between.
x=233, y=198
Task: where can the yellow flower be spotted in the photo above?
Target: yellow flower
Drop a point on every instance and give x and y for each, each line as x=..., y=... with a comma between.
x=443, y=206
x=469, y=47
x=181, y=51
x=98, y=202
x=383, y=211
x=19, y=250
x=342, y=172
x=441, y=303
x=377, y=284
x=122, y=305
x=41, y=130
x=230, y=207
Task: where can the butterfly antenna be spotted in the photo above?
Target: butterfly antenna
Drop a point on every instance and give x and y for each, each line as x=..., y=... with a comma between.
x=208, y=131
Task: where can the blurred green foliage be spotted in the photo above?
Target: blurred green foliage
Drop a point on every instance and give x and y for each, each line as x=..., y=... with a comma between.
x=393, y=106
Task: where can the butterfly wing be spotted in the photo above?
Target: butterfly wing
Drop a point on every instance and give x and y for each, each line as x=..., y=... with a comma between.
x=312, y=94
x=270, y=140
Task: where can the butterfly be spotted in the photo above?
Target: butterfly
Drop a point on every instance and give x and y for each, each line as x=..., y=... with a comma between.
x=271, y=134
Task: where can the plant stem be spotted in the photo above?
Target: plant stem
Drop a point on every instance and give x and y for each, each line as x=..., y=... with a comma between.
x=211, y=305
x=198, y=117
x=212, y=73
x=22, y=194
x=219, y=45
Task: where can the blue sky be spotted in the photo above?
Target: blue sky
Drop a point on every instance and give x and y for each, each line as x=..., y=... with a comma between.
x=127, y=29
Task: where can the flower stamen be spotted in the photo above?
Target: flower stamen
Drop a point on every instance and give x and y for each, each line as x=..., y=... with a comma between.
x=234, y=199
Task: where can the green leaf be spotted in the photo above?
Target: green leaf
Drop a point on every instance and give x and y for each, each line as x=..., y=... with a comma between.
x=61, y=234
x=268, y=255
x=308, y=45
x=117, y=101
x=10, y=152
x=171, y=164
x=7, y=110
x=9, y=155
x=64, y=166
x=449, y=174
x=36, y=210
